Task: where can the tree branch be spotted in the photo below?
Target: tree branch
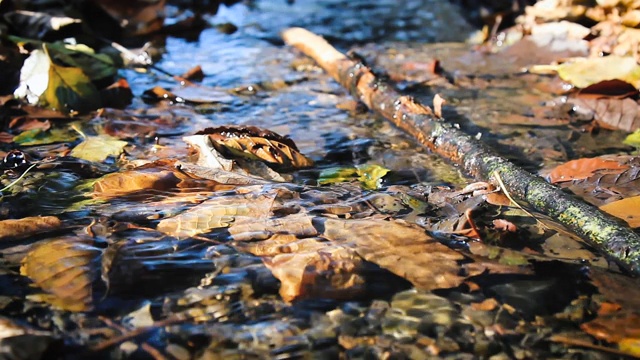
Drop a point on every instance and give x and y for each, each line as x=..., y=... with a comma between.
x=608, y=234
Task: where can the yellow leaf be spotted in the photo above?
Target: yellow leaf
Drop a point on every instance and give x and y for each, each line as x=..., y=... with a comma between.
x=69, y=89
x=631, y=346
x=98, y=148
x=583, y=72
x=626, y=209
x=64, y=269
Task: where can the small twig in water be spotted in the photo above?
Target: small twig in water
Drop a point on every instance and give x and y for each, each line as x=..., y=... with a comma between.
x=18, y=179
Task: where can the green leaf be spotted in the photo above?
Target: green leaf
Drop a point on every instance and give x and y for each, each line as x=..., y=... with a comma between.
x=69, y=89
x=370, y=176
x=40, y=137
x=95, y=66
x=337, y=175
x=633, y=139
x=98, y=148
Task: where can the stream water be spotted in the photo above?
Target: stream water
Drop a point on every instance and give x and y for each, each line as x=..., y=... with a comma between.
x=213, y=298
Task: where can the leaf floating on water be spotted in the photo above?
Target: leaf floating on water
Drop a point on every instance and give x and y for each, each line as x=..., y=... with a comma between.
x=64, y=269
x=21, y=228
x=626, y=209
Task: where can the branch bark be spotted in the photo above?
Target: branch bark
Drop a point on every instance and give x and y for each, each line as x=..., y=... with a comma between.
x=608, y=234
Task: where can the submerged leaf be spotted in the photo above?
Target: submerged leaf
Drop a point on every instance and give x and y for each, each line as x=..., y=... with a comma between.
x=217, y=213
x=98, y=148
x=405, y=250
x=43, y=137
x=29, y=226
x=370, y=176
x=64, y=269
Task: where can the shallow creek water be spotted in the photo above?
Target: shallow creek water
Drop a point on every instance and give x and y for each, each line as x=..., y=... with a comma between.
x=214, y=300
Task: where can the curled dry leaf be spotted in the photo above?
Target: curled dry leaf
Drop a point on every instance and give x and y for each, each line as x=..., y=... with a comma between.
x=64, y=269
x=258, y=144
x=29, y=226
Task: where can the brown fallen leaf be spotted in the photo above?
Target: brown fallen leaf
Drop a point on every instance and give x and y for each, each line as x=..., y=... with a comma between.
x=64, y=269
x=610, y=113
x=584, y=168
x=136, y=17
x=28, y=226
x=159, y=176
x=608, y=185
x=218, y=212
x=334, y=272
x=258, y=144
x=405, y=250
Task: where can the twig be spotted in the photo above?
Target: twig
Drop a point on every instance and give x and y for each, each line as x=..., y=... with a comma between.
x=576, y=342
x=608, y=234
x=136, y=332
x=18, y=179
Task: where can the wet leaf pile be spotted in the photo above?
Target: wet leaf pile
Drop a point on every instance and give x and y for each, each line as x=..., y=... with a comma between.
x=211, y=194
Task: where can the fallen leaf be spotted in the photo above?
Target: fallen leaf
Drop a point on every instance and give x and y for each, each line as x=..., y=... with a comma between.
x=369, y=175
x=608, y=89
x=633, y=139
x=132, y=181
x=333, y=272
x=584, y=168
x=136, y=17
x=582, y=72
x=98, y=148
x=64, y=269
x=626, y=209
x=217, y=213
x=69, y=90
x=258, y=144
x=29, y=226
x=610, y=113
x=405, y=250
x=41, y=137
